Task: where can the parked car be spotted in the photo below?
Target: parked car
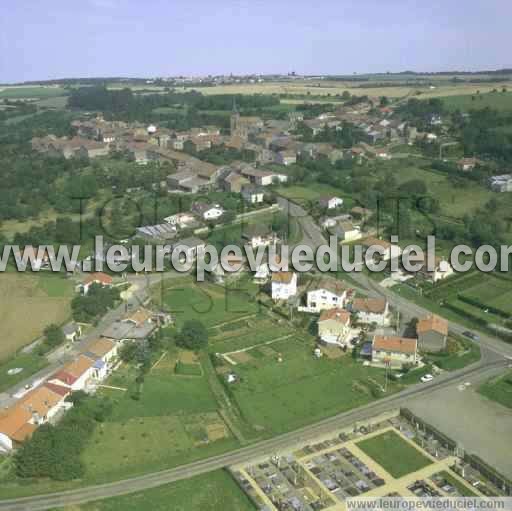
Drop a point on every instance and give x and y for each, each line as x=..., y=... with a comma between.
x=426, y=378
x=470, y=335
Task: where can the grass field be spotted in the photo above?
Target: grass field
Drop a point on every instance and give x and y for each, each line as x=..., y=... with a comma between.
x=394, y=454
x=212, y=304
x=28, y=92
x=455, y=202
x=494, y=292
x=215, y=491
x=278, y=396
x=174, y=420
x=499, y=390
x=28, y=303
x=495, y=100
x=30, y=363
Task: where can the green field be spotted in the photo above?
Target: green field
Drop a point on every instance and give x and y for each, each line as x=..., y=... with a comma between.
x=16, y=92
x=499, y=390
x=215, y=491
x=394, y=454
x=166, y=426
x=28, y=303
x=494, y=292
x=467, y=353
x=455, y=202
x=281, y=396
x=30, y=363
x=211, y=304
x=496, y=100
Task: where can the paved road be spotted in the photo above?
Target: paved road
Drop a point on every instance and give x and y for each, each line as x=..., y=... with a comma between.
x=268, y=447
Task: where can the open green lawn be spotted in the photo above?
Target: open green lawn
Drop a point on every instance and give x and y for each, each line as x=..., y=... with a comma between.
x=212, y=304
x=494, y=292
x=496, y=100
x=281, y=396
x=499, y=389
x=395, y=455
x=215, y=491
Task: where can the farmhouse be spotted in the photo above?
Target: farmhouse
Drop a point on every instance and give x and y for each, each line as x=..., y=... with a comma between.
x=135, y=327
x=182, y=220
x=394, y=351
x=330, y=202
x=334, y=326
x=284, y=285
x=432, y=333
x=326, y=294
x=287, y=157
x=467, y=164
x=99, y=278
x=371, y=310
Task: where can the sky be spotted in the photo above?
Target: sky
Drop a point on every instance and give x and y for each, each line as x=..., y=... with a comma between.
x=148, y=38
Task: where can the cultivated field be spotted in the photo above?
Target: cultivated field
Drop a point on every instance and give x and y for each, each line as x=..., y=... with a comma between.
x=174, y=420
x=501, y=101
x=30, y=92
x=29, y=303
x=499, y=389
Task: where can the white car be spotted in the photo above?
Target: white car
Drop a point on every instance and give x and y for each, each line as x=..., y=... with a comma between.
x=426, y=378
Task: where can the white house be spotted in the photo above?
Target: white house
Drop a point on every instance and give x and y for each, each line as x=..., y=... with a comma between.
x=72, y=331
x=334, y=326
x=371, y=310
x=103, y=353
x=284, y=285
x=326, y=294
x=263, y=240
x=75, y=374
x=330, y=202
x=207, y=211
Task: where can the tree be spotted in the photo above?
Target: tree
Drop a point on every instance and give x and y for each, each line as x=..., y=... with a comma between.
x=128, y=351
x=193, y=335
x=53, y=335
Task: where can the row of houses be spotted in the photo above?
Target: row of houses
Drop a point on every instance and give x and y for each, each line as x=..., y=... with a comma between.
x=48, y=401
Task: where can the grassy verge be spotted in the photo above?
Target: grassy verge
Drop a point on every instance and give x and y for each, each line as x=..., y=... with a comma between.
x=499, y=390
x=30, y=363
